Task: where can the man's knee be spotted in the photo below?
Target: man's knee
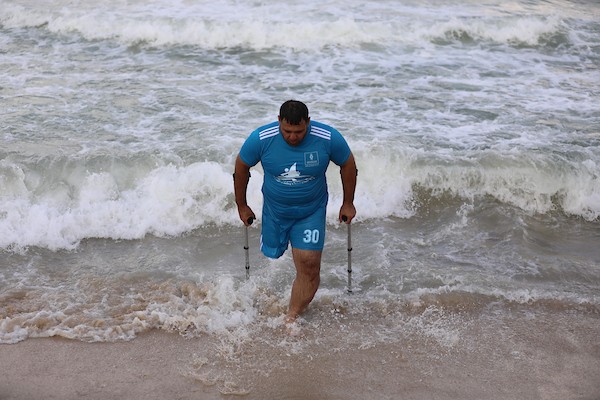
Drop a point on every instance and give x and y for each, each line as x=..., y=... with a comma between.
x=308, y=262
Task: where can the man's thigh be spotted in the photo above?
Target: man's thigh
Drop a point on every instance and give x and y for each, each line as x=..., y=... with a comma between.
x=309, y=233
x=274, y=236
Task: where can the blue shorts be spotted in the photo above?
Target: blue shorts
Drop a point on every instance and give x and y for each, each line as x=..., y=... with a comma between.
x=307, y=233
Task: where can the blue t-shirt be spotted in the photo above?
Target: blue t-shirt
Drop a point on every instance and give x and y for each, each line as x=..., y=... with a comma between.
x=295, y=184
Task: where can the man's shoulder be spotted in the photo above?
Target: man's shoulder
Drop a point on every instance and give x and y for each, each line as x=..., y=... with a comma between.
x=254, y=145
x=267, y=131
x=322, y=130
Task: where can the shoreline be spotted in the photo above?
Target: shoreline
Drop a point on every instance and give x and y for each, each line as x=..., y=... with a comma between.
x=553, y=356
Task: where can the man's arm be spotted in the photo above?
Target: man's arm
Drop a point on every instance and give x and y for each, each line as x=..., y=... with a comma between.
x=348, y=172
x=240, y=187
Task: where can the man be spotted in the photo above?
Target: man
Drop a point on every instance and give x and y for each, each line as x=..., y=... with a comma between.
x=295, y=153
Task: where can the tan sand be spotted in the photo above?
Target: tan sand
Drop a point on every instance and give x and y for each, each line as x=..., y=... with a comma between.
x=552, y=356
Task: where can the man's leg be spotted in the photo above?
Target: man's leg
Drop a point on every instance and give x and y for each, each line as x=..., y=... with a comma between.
x=308, y=277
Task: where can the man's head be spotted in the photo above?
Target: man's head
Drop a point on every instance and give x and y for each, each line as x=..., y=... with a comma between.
x=293, y=112
x=293, y=121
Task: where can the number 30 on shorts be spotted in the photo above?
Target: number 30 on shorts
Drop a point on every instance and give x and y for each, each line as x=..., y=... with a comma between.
x=311, y=236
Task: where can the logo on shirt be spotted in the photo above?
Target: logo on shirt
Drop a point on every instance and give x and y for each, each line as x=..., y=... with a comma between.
x=311, y=159
x=291, y=176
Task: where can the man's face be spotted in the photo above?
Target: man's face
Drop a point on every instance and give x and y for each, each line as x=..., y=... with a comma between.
x=293, y=134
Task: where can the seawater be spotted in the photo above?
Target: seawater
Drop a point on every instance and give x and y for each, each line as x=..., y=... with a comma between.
x=475, y=126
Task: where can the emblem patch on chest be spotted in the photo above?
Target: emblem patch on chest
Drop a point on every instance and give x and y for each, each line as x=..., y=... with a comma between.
x=292, y=176
x=311, y=159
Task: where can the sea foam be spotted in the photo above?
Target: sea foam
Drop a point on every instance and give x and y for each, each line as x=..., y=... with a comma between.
x=171, y=200
x=245, y=26
x=168, y=201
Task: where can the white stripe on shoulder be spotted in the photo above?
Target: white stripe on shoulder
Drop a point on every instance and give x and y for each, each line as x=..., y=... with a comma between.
x=269, y=132
x=320, y=132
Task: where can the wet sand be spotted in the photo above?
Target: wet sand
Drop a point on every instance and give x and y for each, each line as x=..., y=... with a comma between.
x=549, y=355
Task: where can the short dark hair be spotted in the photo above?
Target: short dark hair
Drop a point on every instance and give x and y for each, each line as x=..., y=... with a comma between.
x=293, y=111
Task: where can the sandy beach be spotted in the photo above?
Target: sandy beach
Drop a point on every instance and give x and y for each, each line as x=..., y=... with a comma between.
x=553, y=355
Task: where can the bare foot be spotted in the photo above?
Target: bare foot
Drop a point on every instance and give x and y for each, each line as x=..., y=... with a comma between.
x=292, y=327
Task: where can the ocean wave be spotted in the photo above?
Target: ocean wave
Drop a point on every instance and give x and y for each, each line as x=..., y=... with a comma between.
x=57, y=205
x=402, y=183
x=527, y=31
x=168, y=201
x=172, y=27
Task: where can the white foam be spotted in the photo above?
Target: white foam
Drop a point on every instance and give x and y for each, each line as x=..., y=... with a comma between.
x=384, y=186
x=582, y=196
x=521, y=30
x=107, y=309
x=169, y=200
x=221, y=306
x=533, y=183
x=234, y=24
